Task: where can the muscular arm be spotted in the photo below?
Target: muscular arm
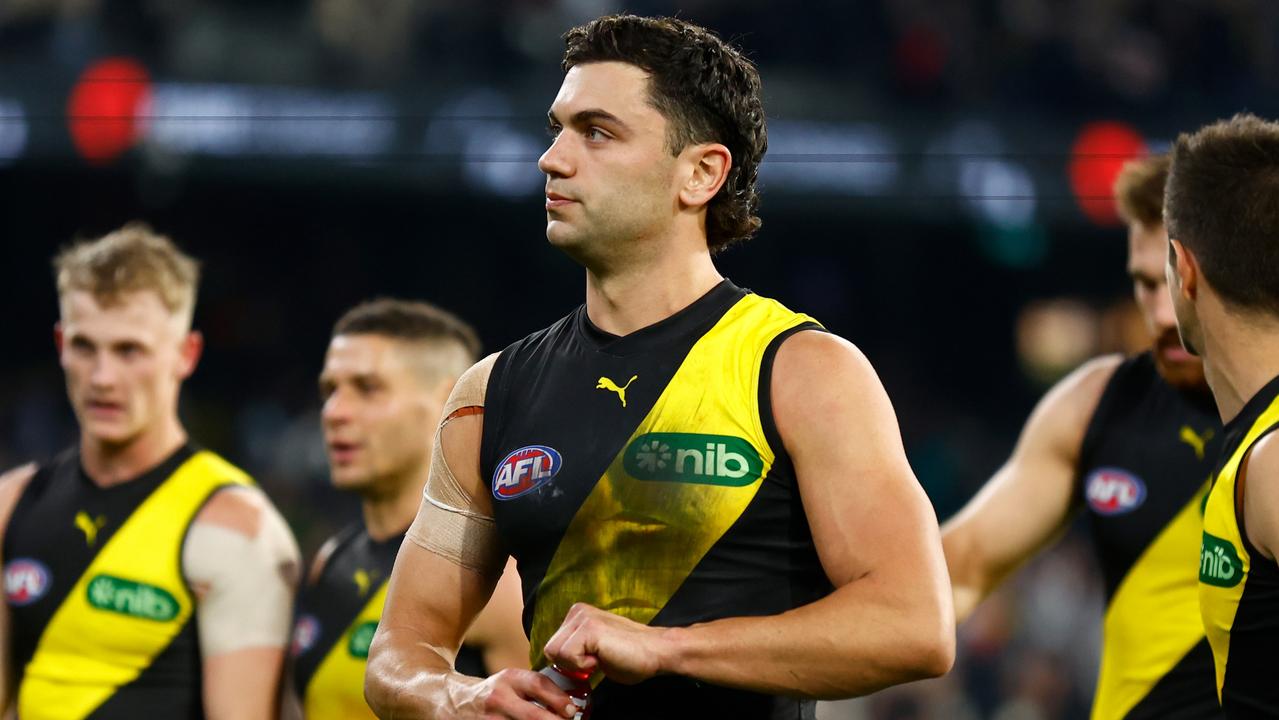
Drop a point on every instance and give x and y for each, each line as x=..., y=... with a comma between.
x=432, y=598
x=1261, y=495
x=889, y=619
x=12, y=484
x=1028, y=502
x=242, y=562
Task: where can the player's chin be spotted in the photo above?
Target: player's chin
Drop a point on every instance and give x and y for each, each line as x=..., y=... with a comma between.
x=559, y=233
x=349, y=478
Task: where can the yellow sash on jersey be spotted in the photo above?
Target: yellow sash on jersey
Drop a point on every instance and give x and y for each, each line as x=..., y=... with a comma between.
x=1159, y=591
x=336, y=690
x=127, y=606
x=635, y=540
x=1223, y=558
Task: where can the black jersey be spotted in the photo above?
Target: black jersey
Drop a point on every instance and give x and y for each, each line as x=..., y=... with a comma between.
x=337, y=615
x=643, y=475
x=1143, y=474
x=1238, y=586
x=100, y=615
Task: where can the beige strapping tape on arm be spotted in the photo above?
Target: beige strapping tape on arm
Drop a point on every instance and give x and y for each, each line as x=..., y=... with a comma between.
x=448, y=521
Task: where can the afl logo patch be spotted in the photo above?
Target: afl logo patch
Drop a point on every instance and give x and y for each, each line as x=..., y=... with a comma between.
x=305, y=632
x=25, y=581
x=1111, y=491
x=525, y=470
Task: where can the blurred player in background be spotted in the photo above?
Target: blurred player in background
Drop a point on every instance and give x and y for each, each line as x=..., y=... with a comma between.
x=670, y=463
x=388, y=371
x=1223, y=221
x=1131, y=443
x=144, y=577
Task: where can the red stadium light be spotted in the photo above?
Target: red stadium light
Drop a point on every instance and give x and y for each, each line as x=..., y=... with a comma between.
x=105, y=106
x=1099, y=152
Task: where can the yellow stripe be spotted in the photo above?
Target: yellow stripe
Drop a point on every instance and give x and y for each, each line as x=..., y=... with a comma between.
x=1153, y=617
x=1218, y=605
x=336, y=690
x=634, y=542
x=85, y=653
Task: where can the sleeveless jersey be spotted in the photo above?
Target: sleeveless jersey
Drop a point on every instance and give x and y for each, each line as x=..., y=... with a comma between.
x=336, y=618
x=100, y=614
x=644, y=475
x=1238, y=586
x=1144, y=469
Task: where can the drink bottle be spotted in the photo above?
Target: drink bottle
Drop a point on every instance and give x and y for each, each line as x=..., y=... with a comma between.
x=577, y=683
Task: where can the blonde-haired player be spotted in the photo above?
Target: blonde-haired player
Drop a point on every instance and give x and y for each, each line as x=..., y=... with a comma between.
x=144, y=576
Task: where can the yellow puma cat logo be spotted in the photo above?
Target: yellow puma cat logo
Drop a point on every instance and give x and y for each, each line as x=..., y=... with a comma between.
x=1195, y=440
x=89, y=526
x=362, y=581
x=609, y=385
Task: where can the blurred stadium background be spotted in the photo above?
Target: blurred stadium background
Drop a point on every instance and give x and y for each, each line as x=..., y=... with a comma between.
x=937, y=190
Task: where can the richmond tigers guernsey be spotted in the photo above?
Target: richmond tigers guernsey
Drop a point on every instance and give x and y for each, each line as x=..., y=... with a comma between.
x=643, y=475
x=100, y=615
x=1144, y=467
x=337, y=616
x=1238, y=586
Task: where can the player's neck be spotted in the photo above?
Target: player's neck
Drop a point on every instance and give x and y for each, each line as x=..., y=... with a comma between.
x=389, y=514
x=643, y=293
x=109, y=464
x=1241, y=355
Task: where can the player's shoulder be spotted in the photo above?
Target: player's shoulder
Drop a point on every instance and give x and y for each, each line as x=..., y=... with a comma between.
x=813, y=353
x=1261, y=493
x=14, y=479
x=1263, y=460
x=12, y=483
x=1062, y=417
x=329, y=548
x=472, y=385
x=236, y=507
x=1096, y=373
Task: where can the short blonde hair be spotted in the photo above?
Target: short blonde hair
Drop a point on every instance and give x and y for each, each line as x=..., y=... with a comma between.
x=130, y=259
x=1139, y=190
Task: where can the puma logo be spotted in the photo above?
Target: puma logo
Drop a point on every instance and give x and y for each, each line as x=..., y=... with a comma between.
x=89, y=526
x=1195, y=440
x=609, y=385
x=362, y=581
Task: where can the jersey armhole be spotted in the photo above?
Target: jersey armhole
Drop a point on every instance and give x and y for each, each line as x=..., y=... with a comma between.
x=493, y=411
x=1240, y=482
x=1101, y=416
x=765, y=401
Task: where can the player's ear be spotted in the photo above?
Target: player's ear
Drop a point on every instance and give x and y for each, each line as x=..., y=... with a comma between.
x=189, y=353
x=1184, y=267
x=708, y=167
x=57, y=336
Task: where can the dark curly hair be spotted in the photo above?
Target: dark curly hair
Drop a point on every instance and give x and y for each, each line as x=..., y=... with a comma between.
x=707, y=91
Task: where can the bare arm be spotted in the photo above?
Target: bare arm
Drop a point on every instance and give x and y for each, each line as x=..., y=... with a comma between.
x=242, y=562
x=498, y=630
x=12, y=483
x=432, y=600
x=1261, y=495
x=1028, y=502
x=889, y=619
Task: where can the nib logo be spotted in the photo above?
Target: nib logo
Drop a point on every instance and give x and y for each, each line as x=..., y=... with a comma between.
x=135, y=599
x=693, y=458
x=1219, y=564
x=361, y=639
